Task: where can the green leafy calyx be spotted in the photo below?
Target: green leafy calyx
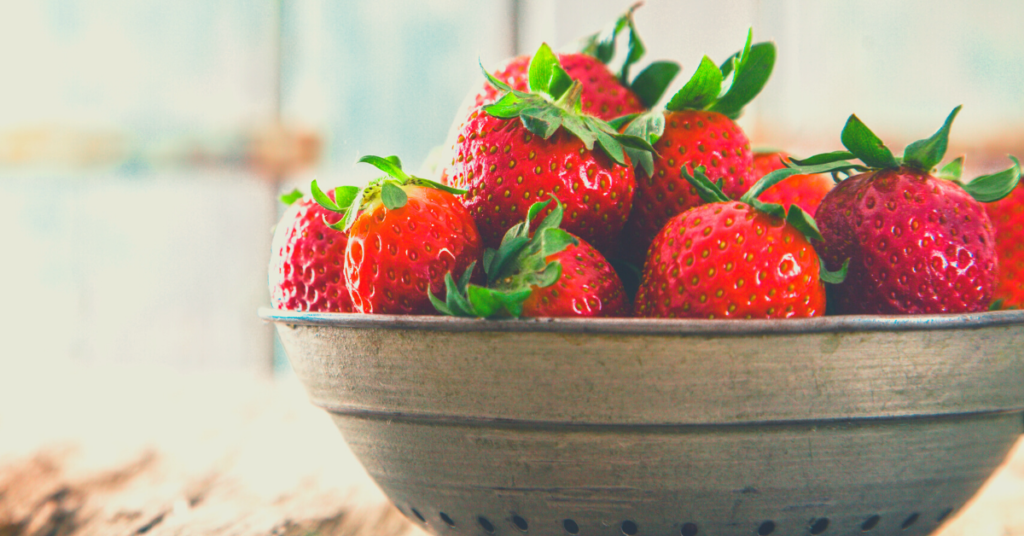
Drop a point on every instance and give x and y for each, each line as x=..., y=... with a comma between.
x=512, y=271
x=727, y=88
x=553, y=102
x=921, y=156
x=389, y=190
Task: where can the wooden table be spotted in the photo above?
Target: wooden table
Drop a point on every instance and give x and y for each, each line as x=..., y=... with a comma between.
x=138, y=451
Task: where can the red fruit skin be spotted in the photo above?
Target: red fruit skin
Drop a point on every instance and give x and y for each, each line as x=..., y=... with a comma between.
x=603, y=95
x=589, y=287
x=1007, y=217
x=916, y=244
x=306, y=262
x=729, y=260
x=506, y=168
x=804, y=191
x=692, y=138
x=394, y=256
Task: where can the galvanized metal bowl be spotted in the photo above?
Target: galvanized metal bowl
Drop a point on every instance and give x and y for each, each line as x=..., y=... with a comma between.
x=837, y=425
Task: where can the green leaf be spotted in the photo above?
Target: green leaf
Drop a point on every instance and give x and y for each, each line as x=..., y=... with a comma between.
x=607, y=141
x=392, y=196
x=438, y=186
x=823, y=158
x=455, y=300
x=748, y=80
x=387, y=165
x=996, y=305
x=541, y=121
x=353, y=211
x=618, y=122
x=652, y=82
x=344, y=195
x=489, y=255
x=636, y=51
x=833, y=278
x=323, y=199
x=554, y=240
x=738, y=58
x=509, y=250
x=991, y=188
x=507, y=107
x=498, y=84
x=466, y=276
x=536, y=209
x=708, y=191
x=952, y=171
x=779, y=175
x=701, y=90
x=291, y=197
x=539, y=71
x=486, y=303
x=579, y=128
x=866, y=146
x=926, y=154
x=548, y=276
x=804, y=223
x=772, y=209
x=635, y=142
x=554, y=218
x=560, y=82
x=439, y=305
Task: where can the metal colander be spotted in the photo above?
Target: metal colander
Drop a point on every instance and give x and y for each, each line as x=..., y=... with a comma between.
x=839, y=425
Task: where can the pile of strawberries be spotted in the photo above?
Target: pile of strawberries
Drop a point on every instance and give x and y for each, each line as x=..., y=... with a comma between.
x=566, y=193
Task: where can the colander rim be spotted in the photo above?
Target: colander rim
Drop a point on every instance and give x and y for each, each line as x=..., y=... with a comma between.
x=651, y=326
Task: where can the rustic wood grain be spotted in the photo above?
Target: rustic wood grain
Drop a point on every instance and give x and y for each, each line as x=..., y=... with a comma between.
x=88, y=451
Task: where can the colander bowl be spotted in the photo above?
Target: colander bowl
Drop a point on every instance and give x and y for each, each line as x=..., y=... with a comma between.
x=847, y=425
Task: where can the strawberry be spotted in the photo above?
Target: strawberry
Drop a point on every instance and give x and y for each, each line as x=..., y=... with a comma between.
x=543, y=272
x=527, y=145
x=604, y=94
x=404, y=234
x=1007, y=217
x=696, y=131
x=734, y=259
x=916, y=243
x=806, y=191
x=306, y=260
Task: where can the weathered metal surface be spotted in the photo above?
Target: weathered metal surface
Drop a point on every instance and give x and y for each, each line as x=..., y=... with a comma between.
x=657, y=427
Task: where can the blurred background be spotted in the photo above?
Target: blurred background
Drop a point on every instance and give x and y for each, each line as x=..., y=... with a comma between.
x=143, y=144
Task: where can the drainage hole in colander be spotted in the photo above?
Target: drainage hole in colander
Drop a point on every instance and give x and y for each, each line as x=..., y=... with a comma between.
x=909, y=521
x=447, y=519
x=820, y=525
x=870, y=523
x=945, y=513
x=688, y=529
x=570, y=526
x=485, y=524
x=520, y=523
x=418, y=515
x=766, y=528
x=629, y=528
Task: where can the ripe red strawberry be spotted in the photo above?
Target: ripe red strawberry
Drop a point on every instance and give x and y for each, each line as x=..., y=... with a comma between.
x=733, y=259
x=528, y=145
x=589, y=287
x=1007, y=217
x=543, y=272
x=404, y=234
x=696, y=131
x=306, y=261
x=805, y=191
x=916, y=244
x=605, y=95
